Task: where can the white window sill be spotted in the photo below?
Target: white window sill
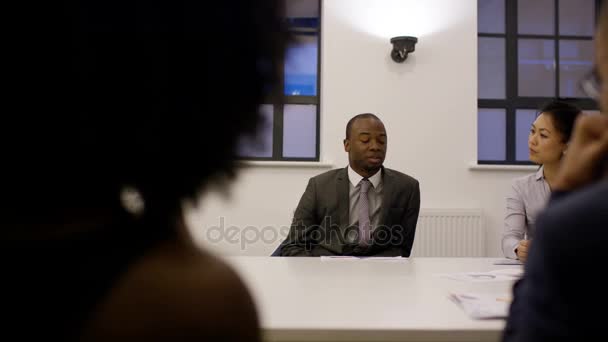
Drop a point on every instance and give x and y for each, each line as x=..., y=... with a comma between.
x=286, y=164
x=484, y=167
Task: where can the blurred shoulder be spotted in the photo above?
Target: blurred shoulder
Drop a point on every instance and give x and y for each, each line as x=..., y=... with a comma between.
x=176, y=292
x=581, y=213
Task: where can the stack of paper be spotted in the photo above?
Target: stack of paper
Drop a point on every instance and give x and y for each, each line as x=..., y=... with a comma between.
x=509, y=274
x=508, y=262
x=482, y=306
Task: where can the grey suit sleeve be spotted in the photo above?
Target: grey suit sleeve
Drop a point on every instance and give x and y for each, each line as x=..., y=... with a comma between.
x=298, y=241
x=515, y=223
x=410, y=219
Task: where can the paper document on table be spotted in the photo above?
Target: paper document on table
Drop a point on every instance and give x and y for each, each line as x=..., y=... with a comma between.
x=482, y=306
x=507, y=262
x=508, y=274
x=347, y=257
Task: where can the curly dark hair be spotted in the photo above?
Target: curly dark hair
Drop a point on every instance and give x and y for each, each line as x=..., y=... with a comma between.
x=148, y=94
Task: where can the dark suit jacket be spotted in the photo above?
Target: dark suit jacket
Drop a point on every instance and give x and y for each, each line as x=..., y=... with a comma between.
x=320, y=224
x=562, y=296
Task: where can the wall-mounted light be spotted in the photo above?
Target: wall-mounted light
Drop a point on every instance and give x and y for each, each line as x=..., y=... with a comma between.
x=402, y=46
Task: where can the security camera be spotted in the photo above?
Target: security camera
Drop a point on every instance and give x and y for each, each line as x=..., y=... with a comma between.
x=402, y=46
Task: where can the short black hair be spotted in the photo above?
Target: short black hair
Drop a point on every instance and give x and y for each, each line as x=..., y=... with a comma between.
x=563, y=115
x=350, y=123
x=152, y=95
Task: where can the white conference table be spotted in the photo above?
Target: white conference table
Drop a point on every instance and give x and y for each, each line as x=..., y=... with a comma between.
x=314, y=299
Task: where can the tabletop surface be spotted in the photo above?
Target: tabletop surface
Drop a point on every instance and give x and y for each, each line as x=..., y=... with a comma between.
x=320, y=299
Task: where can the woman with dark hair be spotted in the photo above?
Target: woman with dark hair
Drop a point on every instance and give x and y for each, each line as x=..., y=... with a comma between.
x=120, y=111
x=547, y=143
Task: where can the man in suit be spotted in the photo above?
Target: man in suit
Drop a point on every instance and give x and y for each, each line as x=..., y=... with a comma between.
x=561, y=296
x=363, y=209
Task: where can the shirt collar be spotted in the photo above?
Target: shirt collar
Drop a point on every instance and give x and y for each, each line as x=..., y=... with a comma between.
x=355, y=178
x=540, y=174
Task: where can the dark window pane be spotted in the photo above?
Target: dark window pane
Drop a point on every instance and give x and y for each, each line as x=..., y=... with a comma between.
x=491, y=16
x=491, y=134
x=576, y=17
x=296, y=24
x=575, y=61
x=260, y=145
x=491, y=68
x=301, y=66
x=523, y=122
x=536, y=16
x=536, y=74
x=300, y=131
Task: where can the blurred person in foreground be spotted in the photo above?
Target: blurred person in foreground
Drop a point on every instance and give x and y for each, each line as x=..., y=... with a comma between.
x=119, y=112
x=561, y=292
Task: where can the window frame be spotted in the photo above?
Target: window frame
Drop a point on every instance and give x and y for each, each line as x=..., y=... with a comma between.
x=278, y=99
x=512, y=101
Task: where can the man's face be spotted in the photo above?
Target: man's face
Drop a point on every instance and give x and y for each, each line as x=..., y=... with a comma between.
x=366, y=146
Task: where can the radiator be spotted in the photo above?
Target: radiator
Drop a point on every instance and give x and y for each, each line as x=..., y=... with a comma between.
x=449, y=233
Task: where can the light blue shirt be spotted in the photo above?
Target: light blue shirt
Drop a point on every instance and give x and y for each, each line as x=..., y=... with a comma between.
x=528, y=197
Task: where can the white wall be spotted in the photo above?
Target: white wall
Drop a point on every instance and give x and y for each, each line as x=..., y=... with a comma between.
x=428, y=105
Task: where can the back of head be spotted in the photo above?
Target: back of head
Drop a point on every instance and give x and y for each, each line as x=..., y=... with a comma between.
x=563, y=116
x=601, y=46
x=603, y=20
x=148, y=94
x=107, y=94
